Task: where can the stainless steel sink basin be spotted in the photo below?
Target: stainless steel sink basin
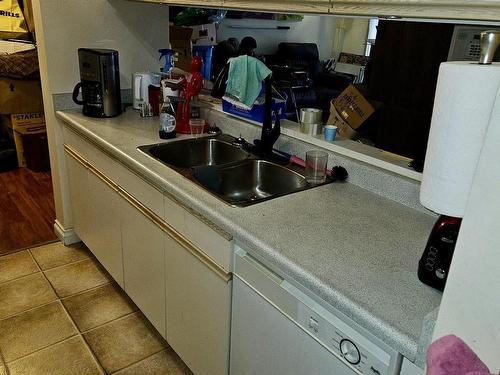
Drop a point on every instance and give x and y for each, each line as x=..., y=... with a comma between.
x=195, y=152
x=229, y=172
x=250, y=181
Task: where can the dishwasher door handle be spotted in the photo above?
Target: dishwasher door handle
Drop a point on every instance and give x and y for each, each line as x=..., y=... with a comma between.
x=250, y=268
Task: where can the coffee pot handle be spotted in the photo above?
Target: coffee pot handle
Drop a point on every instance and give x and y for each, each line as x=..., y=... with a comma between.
x=76, y=92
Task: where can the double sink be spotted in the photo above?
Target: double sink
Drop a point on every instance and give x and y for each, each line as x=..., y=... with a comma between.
x=230, y=170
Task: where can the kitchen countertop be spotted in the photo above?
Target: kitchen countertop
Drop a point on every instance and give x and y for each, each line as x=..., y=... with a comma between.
x=352, y=248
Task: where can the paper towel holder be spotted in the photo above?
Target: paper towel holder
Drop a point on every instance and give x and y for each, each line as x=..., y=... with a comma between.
x=490, y=40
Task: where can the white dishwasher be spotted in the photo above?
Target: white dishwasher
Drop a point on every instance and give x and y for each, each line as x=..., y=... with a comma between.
x=278, y=330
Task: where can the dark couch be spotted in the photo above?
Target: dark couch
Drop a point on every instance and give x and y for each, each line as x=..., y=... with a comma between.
x=298, y=64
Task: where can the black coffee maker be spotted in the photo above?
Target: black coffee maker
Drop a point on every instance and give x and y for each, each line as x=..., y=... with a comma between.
x=99, y=83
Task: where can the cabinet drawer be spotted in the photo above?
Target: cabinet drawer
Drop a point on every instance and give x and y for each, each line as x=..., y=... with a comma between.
x=217, y=247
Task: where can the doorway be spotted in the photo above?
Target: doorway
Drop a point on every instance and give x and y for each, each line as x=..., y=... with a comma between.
x=27, y=212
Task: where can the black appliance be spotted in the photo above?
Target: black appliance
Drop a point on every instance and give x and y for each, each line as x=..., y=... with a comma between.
x=434, y=265
x=99, y=83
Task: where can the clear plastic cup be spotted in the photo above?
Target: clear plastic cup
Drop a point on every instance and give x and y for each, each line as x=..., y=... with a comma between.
x=196, y=126
x=316, y=162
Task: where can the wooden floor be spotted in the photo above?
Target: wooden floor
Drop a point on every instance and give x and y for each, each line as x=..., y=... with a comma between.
x=26, y=209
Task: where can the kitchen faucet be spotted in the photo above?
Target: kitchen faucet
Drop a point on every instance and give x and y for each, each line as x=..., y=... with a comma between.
x=270, y=133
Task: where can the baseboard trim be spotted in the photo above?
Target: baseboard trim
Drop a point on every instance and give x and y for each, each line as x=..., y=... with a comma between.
x=67, y=236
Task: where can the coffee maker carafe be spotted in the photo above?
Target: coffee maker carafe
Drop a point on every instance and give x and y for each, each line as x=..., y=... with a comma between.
x=99, y=83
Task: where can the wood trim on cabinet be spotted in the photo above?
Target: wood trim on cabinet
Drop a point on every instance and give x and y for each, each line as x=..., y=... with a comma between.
x=178, y=237
x=75, y=155
x=198, y=253
x=80, y=159
x=101, y=176
x=155, y=219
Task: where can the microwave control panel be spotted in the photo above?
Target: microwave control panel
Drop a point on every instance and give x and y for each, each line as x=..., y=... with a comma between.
x=466, y=43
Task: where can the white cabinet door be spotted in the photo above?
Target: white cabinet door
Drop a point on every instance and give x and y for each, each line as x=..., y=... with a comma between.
x=95, y=206
x=79, y=194
x=198, y=311
x=104, y=237
x=144, y=264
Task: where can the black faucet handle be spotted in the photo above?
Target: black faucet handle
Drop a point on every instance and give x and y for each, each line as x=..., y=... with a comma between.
x=214, y=130
x=270, y=130
x=240, y=141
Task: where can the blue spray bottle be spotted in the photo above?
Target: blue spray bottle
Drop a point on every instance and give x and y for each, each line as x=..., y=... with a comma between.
x=169, y=59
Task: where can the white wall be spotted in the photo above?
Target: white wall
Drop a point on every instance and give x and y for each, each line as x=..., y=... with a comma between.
x=355, y=36
x=312, y=29
x=470, y=307
x=136, y=30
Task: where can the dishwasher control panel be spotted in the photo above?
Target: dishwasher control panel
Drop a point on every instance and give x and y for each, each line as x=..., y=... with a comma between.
x=359, y=352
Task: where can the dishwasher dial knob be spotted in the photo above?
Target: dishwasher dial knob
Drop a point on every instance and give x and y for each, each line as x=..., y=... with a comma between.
x=350, y=351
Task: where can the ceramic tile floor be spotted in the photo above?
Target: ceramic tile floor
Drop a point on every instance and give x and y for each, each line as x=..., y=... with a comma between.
x=61, y=313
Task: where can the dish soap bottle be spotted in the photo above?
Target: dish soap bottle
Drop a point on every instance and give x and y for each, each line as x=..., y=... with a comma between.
x=167, y=119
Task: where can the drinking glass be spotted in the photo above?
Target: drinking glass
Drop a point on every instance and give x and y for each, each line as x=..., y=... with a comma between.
x=196, y=126
x=316, y=161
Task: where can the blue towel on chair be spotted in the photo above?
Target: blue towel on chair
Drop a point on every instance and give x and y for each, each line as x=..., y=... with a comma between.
x=244, y=81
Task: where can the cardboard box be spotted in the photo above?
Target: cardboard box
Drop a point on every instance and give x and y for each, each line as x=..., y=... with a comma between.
x=353, y=107
x=27, y=123
x=24, y=124
x=348, y=111
x=180, y=40
x=28, y=16
x=343, y=128
x=20, y=96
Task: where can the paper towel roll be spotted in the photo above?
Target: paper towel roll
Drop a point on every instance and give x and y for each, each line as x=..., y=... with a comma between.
x=465, y=97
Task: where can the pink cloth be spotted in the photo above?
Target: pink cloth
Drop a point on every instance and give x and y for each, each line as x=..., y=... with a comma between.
x=449, y=355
